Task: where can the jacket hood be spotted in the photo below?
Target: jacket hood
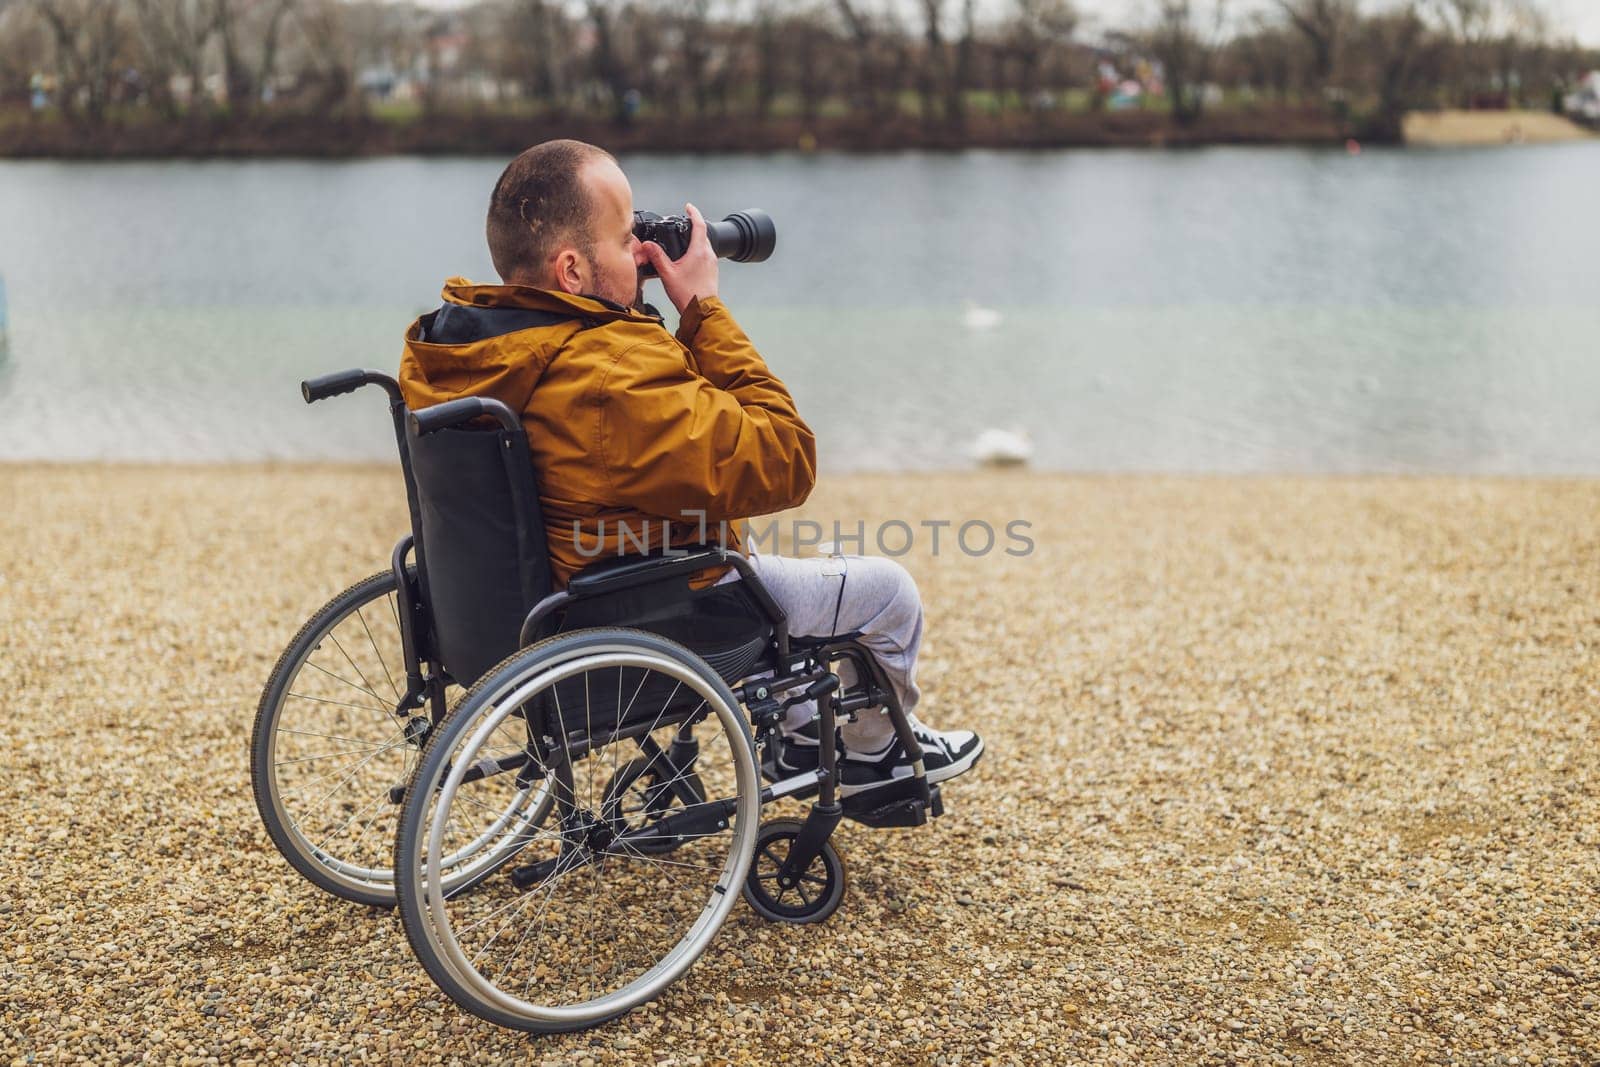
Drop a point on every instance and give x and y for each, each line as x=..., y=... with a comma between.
x=465, y=344
x=472, y=312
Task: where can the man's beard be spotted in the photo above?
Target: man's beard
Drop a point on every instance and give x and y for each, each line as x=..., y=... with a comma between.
x=617, y=296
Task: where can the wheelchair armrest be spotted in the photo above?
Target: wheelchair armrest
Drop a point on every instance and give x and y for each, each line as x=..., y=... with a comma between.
x=455, y=412
x=629, y=572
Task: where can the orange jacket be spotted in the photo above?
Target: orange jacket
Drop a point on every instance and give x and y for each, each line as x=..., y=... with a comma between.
x=628, y=425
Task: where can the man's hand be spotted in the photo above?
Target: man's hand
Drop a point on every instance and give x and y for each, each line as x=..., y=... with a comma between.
x=694, y=277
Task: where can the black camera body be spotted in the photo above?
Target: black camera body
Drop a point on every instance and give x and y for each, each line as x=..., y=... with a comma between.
x=744, y=236
x=671, y=232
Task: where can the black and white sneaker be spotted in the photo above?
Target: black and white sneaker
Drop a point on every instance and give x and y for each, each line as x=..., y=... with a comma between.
x=945, y=754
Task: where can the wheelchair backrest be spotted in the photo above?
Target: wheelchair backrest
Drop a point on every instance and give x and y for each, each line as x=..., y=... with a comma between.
x=481, y=555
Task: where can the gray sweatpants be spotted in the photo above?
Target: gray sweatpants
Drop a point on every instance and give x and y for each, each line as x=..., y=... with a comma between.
x=825, y=596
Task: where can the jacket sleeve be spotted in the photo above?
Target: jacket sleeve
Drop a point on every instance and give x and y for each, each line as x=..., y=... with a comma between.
x=720, y=434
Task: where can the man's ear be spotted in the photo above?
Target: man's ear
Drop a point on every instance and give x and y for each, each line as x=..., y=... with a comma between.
x=569, y=272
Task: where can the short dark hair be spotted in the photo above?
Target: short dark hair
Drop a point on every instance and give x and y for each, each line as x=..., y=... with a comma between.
x=538, y=203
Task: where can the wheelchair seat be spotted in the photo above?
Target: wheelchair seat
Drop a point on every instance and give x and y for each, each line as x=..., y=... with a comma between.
x=721, y=624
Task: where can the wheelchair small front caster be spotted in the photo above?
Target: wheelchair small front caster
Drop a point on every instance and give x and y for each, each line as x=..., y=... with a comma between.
x=814, y=896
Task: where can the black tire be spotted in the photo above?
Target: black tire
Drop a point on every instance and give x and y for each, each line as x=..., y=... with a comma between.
x=358, y=681
x=813, y=899
x=473, y=717
x=296, y=847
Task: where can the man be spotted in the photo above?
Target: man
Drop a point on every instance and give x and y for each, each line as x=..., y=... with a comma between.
x=642, y=439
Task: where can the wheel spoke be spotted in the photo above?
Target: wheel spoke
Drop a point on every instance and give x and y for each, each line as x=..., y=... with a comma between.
x=333, y=737
x=378, y=654
x=359, y=672
x=321, y=755
x=338, y=703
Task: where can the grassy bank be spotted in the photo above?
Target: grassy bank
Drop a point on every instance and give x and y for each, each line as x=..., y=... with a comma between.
x=1279, y=770
x=24, y=136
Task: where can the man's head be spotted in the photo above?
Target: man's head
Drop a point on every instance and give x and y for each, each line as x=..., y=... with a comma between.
x=561, y=217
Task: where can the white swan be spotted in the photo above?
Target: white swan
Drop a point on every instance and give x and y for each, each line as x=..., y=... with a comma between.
x=979, y=318
x=1002, y=448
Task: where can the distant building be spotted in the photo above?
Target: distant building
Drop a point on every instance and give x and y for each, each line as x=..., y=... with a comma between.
x=1585, y=102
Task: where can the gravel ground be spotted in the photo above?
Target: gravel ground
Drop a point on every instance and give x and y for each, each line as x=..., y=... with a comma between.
x=1280, y=770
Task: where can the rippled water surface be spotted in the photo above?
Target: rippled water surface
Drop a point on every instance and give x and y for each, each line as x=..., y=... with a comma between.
x=1220, y=310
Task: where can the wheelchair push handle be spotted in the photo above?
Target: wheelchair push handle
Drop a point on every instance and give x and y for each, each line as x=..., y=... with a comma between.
x=455, y=412
x=344, y=381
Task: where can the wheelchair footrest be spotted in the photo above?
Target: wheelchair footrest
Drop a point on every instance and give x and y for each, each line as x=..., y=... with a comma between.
x=901, y=813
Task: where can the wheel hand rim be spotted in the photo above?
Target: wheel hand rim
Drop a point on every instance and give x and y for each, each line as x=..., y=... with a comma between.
x=435, y=894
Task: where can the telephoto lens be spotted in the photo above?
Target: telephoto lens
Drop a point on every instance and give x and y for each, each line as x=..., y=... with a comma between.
x=744, y=236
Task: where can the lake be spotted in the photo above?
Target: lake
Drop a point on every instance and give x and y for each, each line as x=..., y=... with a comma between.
x=1226, y=310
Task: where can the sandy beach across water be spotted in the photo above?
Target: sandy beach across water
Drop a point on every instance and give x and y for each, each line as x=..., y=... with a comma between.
x=1463, y=129
x=1280, y=770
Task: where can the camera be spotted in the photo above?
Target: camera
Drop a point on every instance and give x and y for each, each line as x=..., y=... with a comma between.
x=744, y=236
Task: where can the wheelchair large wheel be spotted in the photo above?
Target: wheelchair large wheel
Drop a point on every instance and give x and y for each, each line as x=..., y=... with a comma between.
x=328, y=749
x=594, y=919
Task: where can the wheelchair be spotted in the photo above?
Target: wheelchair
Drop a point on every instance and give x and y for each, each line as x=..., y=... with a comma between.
x=560, y=790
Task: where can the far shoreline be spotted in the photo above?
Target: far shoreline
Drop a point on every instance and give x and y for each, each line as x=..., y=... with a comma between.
x=354, y=137
x=485, y=134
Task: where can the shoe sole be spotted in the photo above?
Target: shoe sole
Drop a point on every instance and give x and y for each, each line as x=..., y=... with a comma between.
x=960, y=766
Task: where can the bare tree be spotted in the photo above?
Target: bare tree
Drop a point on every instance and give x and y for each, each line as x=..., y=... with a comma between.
x=330, y=60
x=21, y=43
x=1486, y=38
x=964, y=67
x=1266, y=58
x=813, y=42
x=87, y=37
x=605, y=59
x=1185, y=44
x=175, y=34
x=1404, y=57
x=530, y=52
x=1519, y=48
x=692, y=21
x=240, y=24
x=867, y=90
x=1033, y=30
x=930, y=72
x=943, y=77
x=768, y=44
x=1323, y=24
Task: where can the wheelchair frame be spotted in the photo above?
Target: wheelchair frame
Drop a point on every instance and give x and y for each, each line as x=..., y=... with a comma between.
x=790, y=670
